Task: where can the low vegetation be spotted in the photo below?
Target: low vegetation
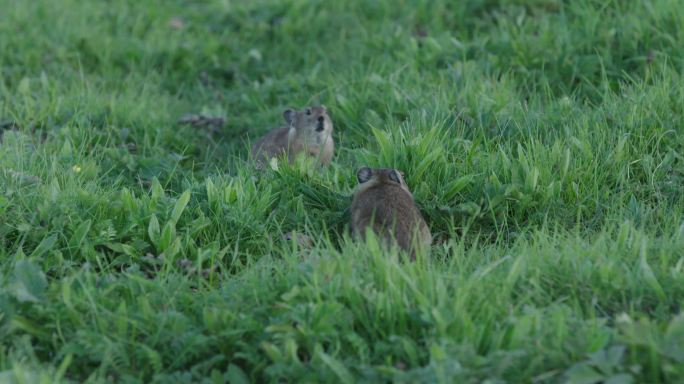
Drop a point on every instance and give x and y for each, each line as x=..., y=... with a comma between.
x=542, y=141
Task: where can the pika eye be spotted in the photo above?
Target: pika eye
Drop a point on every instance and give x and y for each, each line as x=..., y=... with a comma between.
x=308, y=111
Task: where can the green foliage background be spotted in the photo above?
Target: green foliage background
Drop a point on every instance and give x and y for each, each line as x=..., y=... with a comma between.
x=542, y=140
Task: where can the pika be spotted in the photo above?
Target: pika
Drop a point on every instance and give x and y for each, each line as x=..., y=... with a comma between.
x=383, y=202
x=308, y=131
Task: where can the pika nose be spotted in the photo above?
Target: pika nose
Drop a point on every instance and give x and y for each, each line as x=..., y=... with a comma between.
x=321, y=124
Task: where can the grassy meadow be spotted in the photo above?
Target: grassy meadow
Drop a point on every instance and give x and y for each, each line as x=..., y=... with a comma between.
x=541, y=139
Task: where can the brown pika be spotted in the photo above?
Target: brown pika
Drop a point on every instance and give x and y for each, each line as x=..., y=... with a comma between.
x=383, y=202
x=308, y=131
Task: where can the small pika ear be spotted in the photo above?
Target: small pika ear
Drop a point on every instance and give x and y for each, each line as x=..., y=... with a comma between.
x=364, y=174
x=396, y=176
x=289, y=115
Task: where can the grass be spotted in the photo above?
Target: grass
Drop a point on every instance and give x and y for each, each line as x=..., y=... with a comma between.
x=541, y=139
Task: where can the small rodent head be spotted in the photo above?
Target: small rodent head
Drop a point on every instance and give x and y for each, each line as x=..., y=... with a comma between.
x=312, y=123
x=369, y=177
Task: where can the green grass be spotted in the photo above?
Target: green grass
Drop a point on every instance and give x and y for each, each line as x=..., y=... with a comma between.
x=541, y=139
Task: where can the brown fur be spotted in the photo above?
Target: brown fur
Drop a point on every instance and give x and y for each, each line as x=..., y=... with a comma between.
x=383, y=202
x=308, y=131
